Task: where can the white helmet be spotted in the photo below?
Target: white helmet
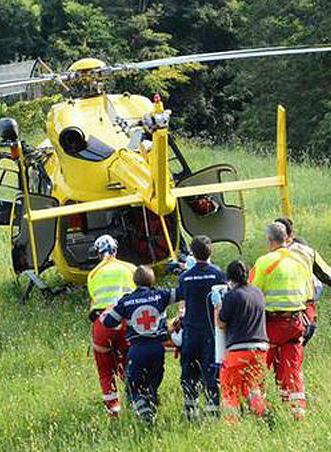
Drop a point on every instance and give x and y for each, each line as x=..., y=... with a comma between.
x=106, y=244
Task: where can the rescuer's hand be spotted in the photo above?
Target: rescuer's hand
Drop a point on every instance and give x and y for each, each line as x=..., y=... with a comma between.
x=176, y=325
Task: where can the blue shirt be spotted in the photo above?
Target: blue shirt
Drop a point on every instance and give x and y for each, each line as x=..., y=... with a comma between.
x=194, y=286
x=144, y=309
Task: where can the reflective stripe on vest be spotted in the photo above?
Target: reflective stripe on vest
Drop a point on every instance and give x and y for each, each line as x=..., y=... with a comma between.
x=283, y=292
x=108, y=282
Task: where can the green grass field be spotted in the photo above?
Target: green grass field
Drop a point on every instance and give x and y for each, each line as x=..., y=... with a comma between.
x=49, y=395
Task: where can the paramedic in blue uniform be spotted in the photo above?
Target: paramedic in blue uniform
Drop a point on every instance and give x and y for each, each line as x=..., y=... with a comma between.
x=144, y=309
x=198, y=346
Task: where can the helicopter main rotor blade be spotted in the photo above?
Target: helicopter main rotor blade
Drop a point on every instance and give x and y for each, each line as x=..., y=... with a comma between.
x=183, y=59
x=215, y=56
x=30, y=81
x=59, y=78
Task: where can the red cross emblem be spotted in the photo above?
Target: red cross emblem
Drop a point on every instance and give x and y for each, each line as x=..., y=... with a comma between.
x=146, y=320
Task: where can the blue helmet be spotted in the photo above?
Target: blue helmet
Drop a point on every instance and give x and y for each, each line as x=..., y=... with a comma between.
x=106, y=244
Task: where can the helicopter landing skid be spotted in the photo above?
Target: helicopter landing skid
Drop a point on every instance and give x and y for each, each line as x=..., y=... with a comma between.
x=47, y=292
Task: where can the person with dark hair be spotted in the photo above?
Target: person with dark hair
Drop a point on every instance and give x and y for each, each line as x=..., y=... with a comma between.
x=241, y=315
x=319, y=270
x=198, y=341
x=288, y=223
x=284, y=280
x=144, y=310
x=201, y=248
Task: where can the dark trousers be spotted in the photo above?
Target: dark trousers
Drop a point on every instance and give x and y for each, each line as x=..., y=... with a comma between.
x=199, y=370
x=144, y=374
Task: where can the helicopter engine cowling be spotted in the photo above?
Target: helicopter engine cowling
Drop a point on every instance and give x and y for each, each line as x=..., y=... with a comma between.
x=72, y=140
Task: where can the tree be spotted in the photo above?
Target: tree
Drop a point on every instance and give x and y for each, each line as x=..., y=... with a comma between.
x=198, y=25
x=208, y=106
x=300, y=83
x=144, y=41
x=20, y=37
x=52, y=17
x=88, y=32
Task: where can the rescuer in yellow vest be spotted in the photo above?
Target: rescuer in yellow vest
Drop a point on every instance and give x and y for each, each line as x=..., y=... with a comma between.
x=107, y=283
x=320, y=273
x=285, y=281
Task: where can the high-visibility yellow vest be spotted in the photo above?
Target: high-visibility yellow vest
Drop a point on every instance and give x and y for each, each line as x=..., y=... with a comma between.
x=307, y=255
x=315, y=263
x=284, y=279
x=109, y=281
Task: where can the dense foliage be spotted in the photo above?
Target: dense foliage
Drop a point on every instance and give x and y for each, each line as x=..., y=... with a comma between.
x=215, y=101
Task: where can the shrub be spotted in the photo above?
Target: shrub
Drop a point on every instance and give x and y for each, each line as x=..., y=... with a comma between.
x=30, y=115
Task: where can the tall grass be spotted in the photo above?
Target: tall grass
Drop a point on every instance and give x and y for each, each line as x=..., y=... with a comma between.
x=49, y=394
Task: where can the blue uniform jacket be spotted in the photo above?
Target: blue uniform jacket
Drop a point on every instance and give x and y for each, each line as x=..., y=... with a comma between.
x=194, y=287
x=144, y=310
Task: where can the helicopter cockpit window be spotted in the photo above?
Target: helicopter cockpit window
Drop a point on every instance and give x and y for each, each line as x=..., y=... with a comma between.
x=9, y=187
x=44, y=233
x=9, y=183
x=74, y=143
x=178, y=165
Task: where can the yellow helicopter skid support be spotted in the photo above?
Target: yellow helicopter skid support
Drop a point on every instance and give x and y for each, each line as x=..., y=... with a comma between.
x=223, y=187
x=90, y=206
x=163, y=201
x=280, y=180
x=28, y=208
x=282, y=160
x=167, y=237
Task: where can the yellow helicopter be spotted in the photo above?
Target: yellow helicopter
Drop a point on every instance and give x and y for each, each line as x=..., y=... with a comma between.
x=106, y=167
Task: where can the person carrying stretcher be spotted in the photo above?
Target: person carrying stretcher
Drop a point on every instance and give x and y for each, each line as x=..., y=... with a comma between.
x=144, y=311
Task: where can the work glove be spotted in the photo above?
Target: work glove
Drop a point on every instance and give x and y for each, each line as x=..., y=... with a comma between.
x=309, y=333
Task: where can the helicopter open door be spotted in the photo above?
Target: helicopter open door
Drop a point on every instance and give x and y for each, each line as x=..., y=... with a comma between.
x=9, y=188
x=214, y=215
x=44, y=233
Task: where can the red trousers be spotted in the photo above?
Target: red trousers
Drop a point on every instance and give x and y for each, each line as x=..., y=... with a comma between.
x=242, y=376
x=110, y=351
x=286, y=357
